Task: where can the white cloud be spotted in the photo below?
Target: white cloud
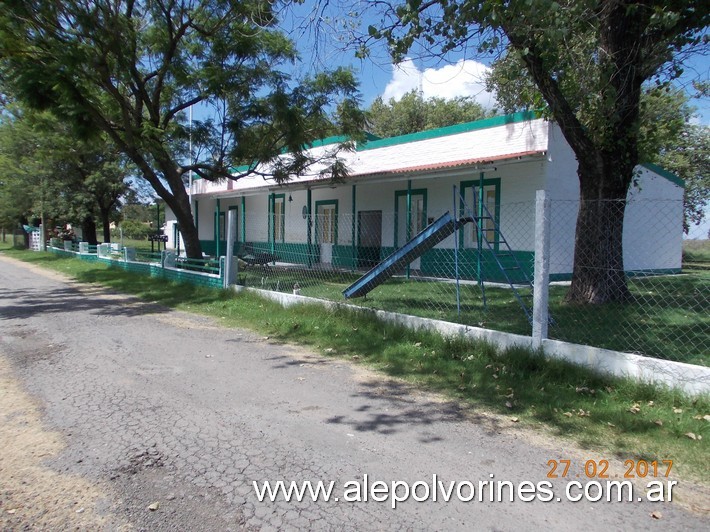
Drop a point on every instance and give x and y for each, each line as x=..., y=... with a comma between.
x=463, y=78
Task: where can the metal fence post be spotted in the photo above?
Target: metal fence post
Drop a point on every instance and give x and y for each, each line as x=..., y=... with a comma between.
x=541, y=281
x=228, y=277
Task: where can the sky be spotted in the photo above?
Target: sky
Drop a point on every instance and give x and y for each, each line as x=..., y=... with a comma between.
x=325, y=39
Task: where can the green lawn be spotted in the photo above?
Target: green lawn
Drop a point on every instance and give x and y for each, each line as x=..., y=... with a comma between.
x=668, y=318
x=617, y=417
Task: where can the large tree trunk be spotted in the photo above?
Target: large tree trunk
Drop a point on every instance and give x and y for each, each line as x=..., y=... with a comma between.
x=176, y=197
x=106, y=223
x=179, y=203
x=183, y=215
x=598, y=274
x=88, y=230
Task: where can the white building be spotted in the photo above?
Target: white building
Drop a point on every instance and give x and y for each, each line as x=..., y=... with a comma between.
x=399, y=185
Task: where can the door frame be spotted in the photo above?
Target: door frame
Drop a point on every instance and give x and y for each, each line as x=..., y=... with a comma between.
x=398, y=194
x=321, y=203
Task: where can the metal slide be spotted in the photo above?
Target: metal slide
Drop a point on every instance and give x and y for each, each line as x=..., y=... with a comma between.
x=424, y=241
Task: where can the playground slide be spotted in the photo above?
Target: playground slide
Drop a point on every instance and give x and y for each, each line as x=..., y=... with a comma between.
x=424, y=241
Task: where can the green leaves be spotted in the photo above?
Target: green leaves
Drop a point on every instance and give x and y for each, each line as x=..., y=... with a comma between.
x=412, y=113
x=132, y=69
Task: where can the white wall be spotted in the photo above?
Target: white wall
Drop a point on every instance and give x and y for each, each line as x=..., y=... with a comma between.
x=653, y=224
x=653, y=221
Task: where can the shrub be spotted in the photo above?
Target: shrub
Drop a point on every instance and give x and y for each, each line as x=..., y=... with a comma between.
x=136, y=230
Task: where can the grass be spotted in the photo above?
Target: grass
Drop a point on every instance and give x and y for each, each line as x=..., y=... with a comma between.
x=607, y=415
x=668, y=317
x=696, y=254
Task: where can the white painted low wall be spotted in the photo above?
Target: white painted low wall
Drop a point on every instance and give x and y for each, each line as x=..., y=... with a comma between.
x=691, y=379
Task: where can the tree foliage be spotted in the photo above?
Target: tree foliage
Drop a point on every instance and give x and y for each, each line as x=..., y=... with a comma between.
x=689, y=158
x=46, y=171
x=666, y=135
x=412, y=113
x=588, y=61
x=132, y=69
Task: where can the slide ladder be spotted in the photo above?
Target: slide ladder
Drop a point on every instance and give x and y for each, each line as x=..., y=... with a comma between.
x=430, y=236
x=504, y=257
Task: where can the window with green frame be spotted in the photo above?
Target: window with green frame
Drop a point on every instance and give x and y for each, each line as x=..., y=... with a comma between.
x=418, y=214
x=222, y=227
x=237, y=224
x=278, y=217
x=481, y=198
x=326, y=221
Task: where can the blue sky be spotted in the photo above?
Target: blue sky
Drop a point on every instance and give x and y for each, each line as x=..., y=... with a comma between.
x=324, y=40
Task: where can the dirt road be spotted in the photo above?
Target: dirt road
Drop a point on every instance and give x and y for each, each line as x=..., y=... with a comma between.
x=119, y=414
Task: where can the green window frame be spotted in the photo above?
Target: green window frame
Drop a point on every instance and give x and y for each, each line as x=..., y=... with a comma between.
x=319, y=222
x=423, y=222
x=488, y=184
x=219, y=226
x=238, y=222
x=277, y=221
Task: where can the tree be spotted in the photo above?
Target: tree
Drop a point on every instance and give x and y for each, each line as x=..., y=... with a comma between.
x=666, y=135
x=132, y=69
x=413, y=113
x=47, y=173
x=689, y=159
x=589, y=61
x=670, y=139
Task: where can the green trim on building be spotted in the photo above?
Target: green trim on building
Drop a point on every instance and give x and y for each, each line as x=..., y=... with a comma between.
x=491, y=181
x=272, y=217
x=236, y=218
x=439, y=262
x=244, y=219
x=398, y=194
x=373, y=142
x=353, y=242
x=327, y=202
x=309, y=222
x=664, y=173
x=450, y=130
x=215, y=231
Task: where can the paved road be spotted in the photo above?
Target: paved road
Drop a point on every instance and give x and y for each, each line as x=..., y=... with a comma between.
x=162, y=406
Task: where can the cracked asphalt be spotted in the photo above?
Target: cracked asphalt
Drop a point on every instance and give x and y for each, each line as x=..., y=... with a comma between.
x=158, y=406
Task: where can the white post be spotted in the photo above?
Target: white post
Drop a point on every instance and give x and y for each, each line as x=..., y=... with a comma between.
x=42, y=234
x=229, y=273
x=541, y=281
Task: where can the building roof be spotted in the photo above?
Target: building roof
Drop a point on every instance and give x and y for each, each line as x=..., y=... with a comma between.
x=498, y=139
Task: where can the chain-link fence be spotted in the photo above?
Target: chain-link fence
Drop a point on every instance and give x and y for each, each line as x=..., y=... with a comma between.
x=649, y=288
x=465, y=278
x=631, y=292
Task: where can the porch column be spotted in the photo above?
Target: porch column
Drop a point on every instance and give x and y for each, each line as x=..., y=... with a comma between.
x=270, y=225
x=216, y=228
x=408, y=229
x=309, y=227
x=479, y=237
x=244, y=220
x=354, y=246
